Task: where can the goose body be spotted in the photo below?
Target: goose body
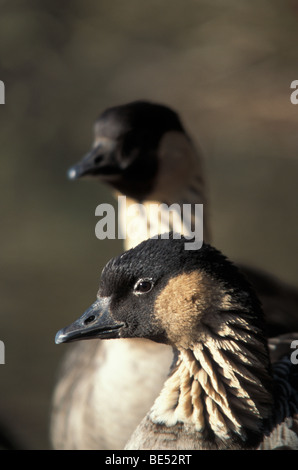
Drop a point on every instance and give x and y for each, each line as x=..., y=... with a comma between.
x=223, y=392
x=141, y=150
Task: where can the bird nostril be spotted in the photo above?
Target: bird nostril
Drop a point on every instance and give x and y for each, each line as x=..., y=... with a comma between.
x=89, y=319
x=98, y=159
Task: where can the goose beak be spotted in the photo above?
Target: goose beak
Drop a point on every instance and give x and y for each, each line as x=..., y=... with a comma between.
x=86, y=166
x=96, y=162
x=96, y=322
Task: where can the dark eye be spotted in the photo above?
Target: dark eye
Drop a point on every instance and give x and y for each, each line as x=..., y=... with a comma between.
x=143, y=286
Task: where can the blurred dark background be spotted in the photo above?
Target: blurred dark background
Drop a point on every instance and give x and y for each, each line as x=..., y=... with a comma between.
x=225, y=66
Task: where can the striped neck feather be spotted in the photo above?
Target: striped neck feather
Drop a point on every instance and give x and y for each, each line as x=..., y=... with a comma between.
x=221, y=388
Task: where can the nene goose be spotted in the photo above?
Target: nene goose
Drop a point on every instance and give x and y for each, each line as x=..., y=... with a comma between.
x=223, y=392
x=142, y=151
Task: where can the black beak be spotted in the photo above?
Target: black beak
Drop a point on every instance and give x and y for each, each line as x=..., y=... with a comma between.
x=100, y=161
x=96, y=322
x=88, y=164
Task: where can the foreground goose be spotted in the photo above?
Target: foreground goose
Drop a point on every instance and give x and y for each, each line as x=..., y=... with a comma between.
x=142, y=151
x=222, y=392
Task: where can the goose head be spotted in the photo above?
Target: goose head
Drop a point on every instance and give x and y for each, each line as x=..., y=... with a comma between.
x=162, y=292
x=138, y=149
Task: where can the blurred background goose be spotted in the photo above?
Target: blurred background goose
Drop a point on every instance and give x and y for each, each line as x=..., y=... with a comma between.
x=142, y=151
x=223, y=392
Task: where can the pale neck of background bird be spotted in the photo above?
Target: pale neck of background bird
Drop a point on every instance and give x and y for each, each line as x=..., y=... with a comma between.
x=214, y=391
x=179, y=182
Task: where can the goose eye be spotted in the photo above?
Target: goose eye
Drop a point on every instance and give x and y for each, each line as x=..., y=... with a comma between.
x=143, y=286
